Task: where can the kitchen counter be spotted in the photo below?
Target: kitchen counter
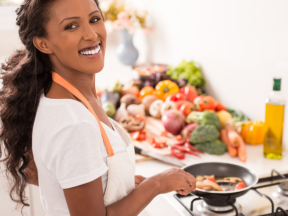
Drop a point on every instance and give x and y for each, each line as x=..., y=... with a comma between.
x=255, y=161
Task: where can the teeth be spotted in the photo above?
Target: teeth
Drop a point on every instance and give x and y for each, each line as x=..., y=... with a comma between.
x=91, y=52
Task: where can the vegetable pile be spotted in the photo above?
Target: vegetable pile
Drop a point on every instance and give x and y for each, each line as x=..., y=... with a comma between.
x=198, y=123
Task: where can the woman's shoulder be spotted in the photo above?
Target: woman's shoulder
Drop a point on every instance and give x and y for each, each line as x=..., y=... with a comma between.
x=63, y=112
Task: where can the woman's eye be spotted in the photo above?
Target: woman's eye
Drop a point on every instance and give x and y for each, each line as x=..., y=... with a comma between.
x=71, y=26
x=94, y=20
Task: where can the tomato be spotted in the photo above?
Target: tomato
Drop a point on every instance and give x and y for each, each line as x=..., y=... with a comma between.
x=187, y=108
x=205, y=103
x=219, y=106
x=178, y=137
x=147, y=90
x=142, y=136
x=176, y=97
x=211, y=179
x=190, y=92
x=240, y=186
x=135, y=135
x=151, y=140
x=180, y=103
x=164, y=133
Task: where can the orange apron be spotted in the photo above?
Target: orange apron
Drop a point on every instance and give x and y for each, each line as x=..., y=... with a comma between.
x=121, y=167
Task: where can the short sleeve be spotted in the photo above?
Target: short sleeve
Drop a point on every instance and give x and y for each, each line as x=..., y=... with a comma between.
x=75, y=155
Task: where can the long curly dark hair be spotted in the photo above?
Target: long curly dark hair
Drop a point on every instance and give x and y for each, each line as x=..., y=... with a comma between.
x=26, y=75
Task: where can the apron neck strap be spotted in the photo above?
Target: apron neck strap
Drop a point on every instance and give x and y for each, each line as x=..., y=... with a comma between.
x=61, y=81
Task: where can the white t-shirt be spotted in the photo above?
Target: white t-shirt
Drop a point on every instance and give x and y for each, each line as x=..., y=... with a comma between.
x=68, y=150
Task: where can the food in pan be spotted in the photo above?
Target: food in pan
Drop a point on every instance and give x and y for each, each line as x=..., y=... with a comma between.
x=210, y=183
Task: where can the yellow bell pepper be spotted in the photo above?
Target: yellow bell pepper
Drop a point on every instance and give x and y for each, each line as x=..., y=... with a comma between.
x=253, y=132
x=165, y=88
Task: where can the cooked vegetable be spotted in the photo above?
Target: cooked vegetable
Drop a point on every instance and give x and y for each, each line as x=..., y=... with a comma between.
x=190, y=92
x=242, y=151
x=147, y=101
x=232, y=150
x=188, y=71
x=209, y=184
x=204, y=103
x=121, y=112
x=129, y=99
x=167, y=105
x=219, y=184
x=215, y=147
x=155, y=108
x=136, y=110
x=204, y=118
x=204, y=133
x=223, y=116
x=109, y=108
x=165, y=88
x=253, y=132
x=240, y=186
x=233, y=137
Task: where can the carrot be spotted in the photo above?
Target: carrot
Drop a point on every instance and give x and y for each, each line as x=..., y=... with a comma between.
x=242, y=150
x=233, y=137
x=232, y=150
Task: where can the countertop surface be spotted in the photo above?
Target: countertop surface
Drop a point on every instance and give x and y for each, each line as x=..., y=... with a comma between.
x=255, y=161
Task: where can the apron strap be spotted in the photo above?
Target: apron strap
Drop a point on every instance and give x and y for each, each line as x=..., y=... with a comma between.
x=64, y=83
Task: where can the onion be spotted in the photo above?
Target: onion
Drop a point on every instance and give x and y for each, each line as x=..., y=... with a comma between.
x=173, y=121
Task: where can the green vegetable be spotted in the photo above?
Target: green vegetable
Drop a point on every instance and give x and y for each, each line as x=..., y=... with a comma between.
x=204, y=133
x=215, y=147
x=188, y=71
x=115, y=87
x=237, y=115
x=109, y=108
x=204, y=118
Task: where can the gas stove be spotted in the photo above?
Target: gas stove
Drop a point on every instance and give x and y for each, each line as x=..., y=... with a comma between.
x=268, y=198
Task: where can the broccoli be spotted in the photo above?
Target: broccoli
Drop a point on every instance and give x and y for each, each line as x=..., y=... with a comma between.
x=215, y=147
x=204, y=133
x=204, y=118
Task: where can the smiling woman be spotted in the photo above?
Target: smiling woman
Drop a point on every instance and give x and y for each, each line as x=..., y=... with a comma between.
x=55, y=133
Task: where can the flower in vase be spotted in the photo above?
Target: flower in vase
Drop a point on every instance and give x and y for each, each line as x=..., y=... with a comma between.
x=118, y=25
x=123, y=16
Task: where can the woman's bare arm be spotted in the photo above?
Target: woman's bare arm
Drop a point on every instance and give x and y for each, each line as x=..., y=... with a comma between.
x=87, y=199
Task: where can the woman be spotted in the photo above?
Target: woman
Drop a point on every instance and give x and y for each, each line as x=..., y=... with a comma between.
x=50, y=114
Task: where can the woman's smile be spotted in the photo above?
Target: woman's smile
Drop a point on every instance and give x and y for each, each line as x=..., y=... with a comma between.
x=91, y=52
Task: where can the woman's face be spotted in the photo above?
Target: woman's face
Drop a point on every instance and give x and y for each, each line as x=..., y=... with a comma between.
x=76, y=36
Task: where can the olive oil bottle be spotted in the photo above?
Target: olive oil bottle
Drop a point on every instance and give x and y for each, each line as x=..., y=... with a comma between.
x=274, y=120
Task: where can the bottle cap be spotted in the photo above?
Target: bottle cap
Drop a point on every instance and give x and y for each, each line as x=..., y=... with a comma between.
x=277, y=84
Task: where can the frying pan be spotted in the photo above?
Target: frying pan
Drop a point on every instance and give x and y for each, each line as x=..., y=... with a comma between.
x=222, y=170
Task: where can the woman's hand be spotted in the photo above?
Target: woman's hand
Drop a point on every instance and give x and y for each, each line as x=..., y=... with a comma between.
x=138, y=180
x=175, y=179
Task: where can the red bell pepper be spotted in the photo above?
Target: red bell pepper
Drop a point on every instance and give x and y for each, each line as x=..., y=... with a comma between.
x=190, y=92
x=240, y=186
x=184, y=150
x=176, y=97
x=178, y=137
x=138, y=135
x=188, y=145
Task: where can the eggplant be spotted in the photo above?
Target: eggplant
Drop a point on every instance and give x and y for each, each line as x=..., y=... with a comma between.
x=114, y=97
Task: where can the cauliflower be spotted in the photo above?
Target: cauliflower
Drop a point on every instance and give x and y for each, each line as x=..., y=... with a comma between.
x=204, y=133
x=215, y=147
x=204, y=118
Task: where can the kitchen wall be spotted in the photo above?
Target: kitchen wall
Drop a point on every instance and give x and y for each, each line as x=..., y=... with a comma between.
x=241, y=46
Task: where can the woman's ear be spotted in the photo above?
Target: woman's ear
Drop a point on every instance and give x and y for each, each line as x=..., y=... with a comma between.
x=41, y=45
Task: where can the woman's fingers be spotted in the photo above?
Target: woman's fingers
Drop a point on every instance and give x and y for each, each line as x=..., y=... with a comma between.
x=191, y=181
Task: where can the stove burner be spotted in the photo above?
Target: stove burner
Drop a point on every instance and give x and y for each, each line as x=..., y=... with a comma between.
x=209, y=210
x=219, y=205
x=283, y=188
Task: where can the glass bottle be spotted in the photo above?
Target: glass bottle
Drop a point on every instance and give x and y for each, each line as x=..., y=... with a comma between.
x=274, y=120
